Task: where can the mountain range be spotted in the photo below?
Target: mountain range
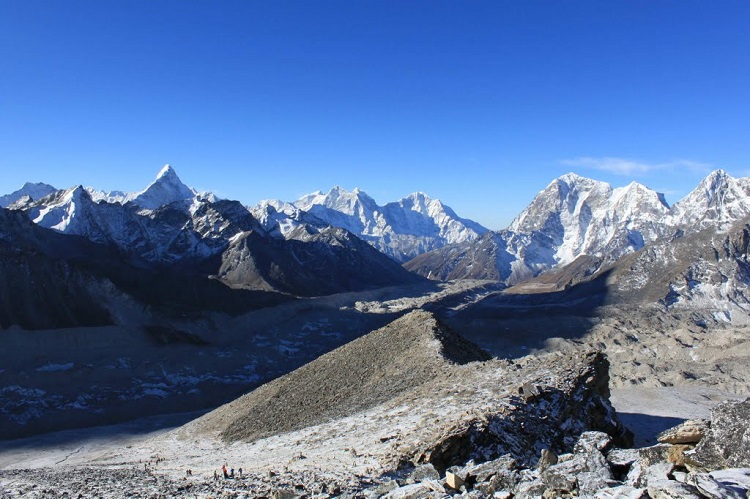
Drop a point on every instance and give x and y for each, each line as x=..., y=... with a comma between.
x=326, y=243
x=171, y=227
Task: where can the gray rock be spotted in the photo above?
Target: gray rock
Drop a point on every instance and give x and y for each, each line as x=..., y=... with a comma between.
x=647, y=457
x=592, y=440
x=689, y=432
x=413, y=491
x=589, y=482
x=423, y=472
x=528, y=489
x=382, y=489
x=546, y=459
x=283, y=494
x=680, y=476
x=672, y=489
x=622, y=457
x=504, y=480
x=727, y=442
x=732, y=483
x=485, y=471
x=621, y=492
x=659, y=471
x=564, y=477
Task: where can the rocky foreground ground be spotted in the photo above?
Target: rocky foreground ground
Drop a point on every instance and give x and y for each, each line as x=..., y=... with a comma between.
x=541, y=426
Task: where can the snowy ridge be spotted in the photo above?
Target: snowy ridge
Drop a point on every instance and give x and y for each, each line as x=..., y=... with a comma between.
x=401, y=229
x=160, y=224
x=34, y=191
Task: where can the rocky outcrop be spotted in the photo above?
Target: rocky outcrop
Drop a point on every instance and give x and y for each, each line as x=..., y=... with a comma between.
x=597, y=468
x=544, y=413
x=727, y=442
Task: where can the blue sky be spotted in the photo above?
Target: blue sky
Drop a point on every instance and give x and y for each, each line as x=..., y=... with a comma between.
x=478, y=103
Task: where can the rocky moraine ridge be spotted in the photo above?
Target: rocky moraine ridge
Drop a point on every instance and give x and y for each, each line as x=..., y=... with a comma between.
x=541, y=426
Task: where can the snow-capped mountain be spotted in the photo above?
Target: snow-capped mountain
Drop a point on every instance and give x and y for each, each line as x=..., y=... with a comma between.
x=576, y=216
x=31, y=190
x=167, y=188
x=281, y=219
x=401, y=229
x=719, y=201
x=585, y=216
x=172, y=226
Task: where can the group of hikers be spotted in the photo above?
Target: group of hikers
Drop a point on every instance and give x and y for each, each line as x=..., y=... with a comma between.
x=228, y=473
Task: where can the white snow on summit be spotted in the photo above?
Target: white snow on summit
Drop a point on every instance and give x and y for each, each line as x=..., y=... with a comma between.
x=718, y=201
x=585, y=216
x=35, y=191
x=166, y=189
x=401, y=229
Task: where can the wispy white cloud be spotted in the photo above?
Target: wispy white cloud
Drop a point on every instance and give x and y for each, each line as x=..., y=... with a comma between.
x=632, y=167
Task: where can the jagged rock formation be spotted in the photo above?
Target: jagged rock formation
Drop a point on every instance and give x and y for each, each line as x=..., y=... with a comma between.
x=401, y=229
x=595, y=468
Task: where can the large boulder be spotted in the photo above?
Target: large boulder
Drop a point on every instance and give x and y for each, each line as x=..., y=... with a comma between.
x=727, y=442
x=689, y=432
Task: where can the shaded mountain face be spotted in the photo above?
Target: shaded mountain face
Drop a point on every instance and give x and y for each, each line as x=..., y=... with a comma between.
x=52, y=280
x=310, y=263
x=40, y=290
x=401, y=229
x=577, y=217
x=706, y=272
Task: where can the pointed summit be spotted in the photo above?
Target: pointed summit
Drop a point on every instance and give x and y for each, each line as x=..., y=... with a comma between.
x=166, y=170
x=166, y=189
x=718, y=201
x=564, y=196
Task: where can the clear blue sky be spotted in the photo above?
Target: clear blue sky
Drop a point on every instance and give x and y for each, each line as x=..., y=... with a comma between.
x=480, y=104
